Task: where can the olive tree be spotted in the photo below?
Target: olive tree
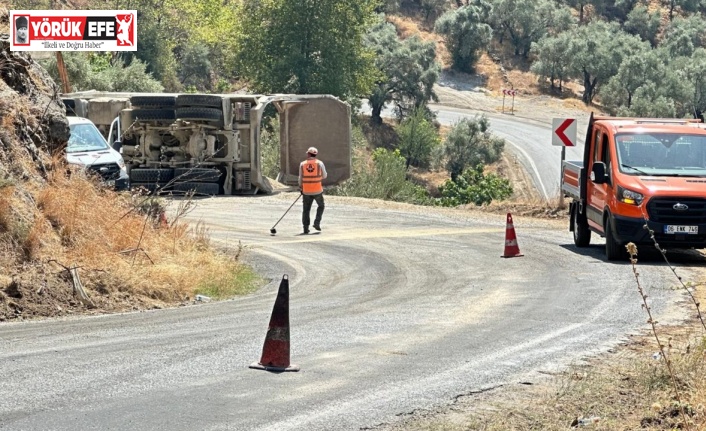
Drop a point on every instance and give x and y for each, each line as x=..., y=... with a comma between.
x=470, y=143
x=407, y=71
x=465, y=32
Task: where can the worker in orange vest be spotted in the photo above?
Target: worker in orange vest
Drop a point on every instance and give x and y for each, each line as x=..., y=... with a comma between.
x=311, y=173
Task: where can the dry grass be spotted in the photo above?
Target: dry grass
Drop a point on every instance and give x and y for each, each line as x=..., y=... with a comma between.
x=100, y=230
x=127, y=259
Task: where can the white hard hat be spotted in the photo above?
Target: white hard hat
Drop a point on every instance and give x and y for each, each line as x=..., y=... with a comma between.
x=312, y=150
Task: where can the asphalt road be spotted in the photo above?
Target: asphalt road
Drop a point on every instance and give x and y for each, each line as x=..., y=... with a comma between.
x=392, y=311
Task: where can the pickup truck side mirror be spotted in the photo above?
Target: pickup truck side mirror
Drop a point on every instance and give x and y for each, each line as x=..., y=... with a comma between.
x=598, y=173
x=117, y=145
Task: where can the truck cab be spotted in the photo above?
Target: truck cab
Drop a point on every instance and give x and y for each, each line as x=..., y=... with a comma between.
x=642, y=181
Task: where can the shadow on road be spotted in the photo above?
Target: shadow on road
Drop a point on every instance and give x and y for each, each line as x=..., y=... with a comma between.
x=646, y=255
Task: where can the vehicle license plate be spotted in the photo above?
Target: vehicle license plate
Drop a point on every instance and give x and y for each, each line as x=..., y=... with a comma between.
x=670, y=228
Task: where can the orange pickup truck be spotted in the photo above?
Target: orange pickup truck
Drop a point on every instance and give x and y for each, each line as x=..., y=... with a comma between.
x=639, y=172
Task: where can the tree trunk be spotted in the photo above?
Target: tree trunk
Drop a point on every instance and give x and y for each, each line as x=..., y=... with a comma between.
x=587, y=88
x=375, y=116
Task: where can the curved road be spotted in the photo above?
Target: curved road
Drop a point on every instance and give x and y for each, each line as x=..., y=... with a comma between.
x=393, y=310
x=530, y=141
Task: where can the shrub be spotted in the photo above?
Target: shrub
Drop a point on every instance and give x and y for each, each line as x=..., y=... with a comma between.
x=470, y=143
x=418, y=138
x=474, y=187
x=384, y=177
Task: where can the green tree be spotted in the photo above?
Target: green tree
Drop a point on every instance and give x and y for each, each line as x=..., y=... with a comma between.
x=683, y=36
x=580, y=6
x=642, y=23
x=636, y=70
x=649, y=102
x=432, y=8
x=418, y=138
x=470, y=143
x=598, y=50
x=553, y=57
x=92, y=72
x=306, y=46
x=195, y=67
x=465, y=33
x=685, y=6
x=407, y=70
x=527, y=21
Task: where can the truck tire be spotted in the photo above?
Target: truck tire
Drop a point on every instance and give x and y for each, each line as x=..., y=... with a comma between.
x=153, y=101
x=613, y=249
x=151, y=175
x=199, y=189
x=582, y=234
x=207, y=100
x=204, y=175
x=153, y=115
x=199, y=114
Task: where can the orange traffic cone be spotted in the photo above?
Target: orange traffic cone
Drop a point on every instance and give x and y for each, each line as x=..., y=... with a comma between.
x=275, y=352
x=511, y=247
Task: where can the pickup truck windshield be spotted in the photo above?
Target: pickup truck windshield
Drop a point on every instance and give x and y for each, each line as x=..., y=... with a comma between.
x=662, y=154
x=85, y=137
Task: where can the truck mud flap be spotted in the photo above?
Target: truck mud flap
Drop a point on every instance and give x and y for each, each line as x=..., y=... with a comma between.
x=199, y=189
x=153, y=101
x=204, y=175
x=151, y=175
x=207, y=100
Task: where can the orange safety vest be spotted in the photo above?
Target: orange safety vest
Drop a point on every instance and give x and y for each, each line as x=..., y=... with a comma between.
x=312, y=177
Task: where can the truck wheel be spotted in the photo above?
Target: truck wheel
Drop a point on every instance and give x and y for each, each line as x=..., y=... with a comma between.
x=207, y=100
x=204, y=175
x=613, y=249
x=582, y=234
x=199, y=114
x=153, y=115
x=199, y=189
x=153, y=101
x=151, y=175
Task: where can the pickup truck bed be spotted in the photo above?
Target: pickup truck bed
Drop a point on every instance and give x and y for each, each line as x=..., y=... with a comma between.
x=571, y=172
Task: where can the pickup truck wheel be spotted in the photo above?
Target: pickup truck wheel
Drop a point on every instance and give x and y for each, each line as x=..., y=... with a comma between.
x=151, y=175
x=582, y=234
x=204, y=175
x=207, y=100
x=153, y=101
x=613, y=249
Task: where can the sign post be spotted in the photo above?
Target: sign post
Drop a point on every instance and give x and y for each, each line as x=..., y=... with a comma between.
x=564, y=135
x=509, y=92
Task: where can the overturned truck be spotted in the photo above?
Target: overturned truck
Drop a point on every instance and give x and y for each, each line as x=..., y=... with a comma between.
x=210, y=143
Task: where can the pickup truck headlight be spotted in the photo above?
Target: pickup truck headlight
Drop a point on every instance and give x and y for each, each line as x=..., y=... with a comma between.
x=629, y=197
x=121, y=163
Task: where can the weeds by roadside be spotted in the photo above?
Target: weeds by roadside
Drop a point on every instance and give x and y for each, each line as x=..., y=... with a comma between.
x=128, y=254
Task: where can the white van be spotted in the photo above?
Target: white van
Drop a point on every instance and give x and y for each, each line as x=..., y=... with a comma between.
x=87, y=147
